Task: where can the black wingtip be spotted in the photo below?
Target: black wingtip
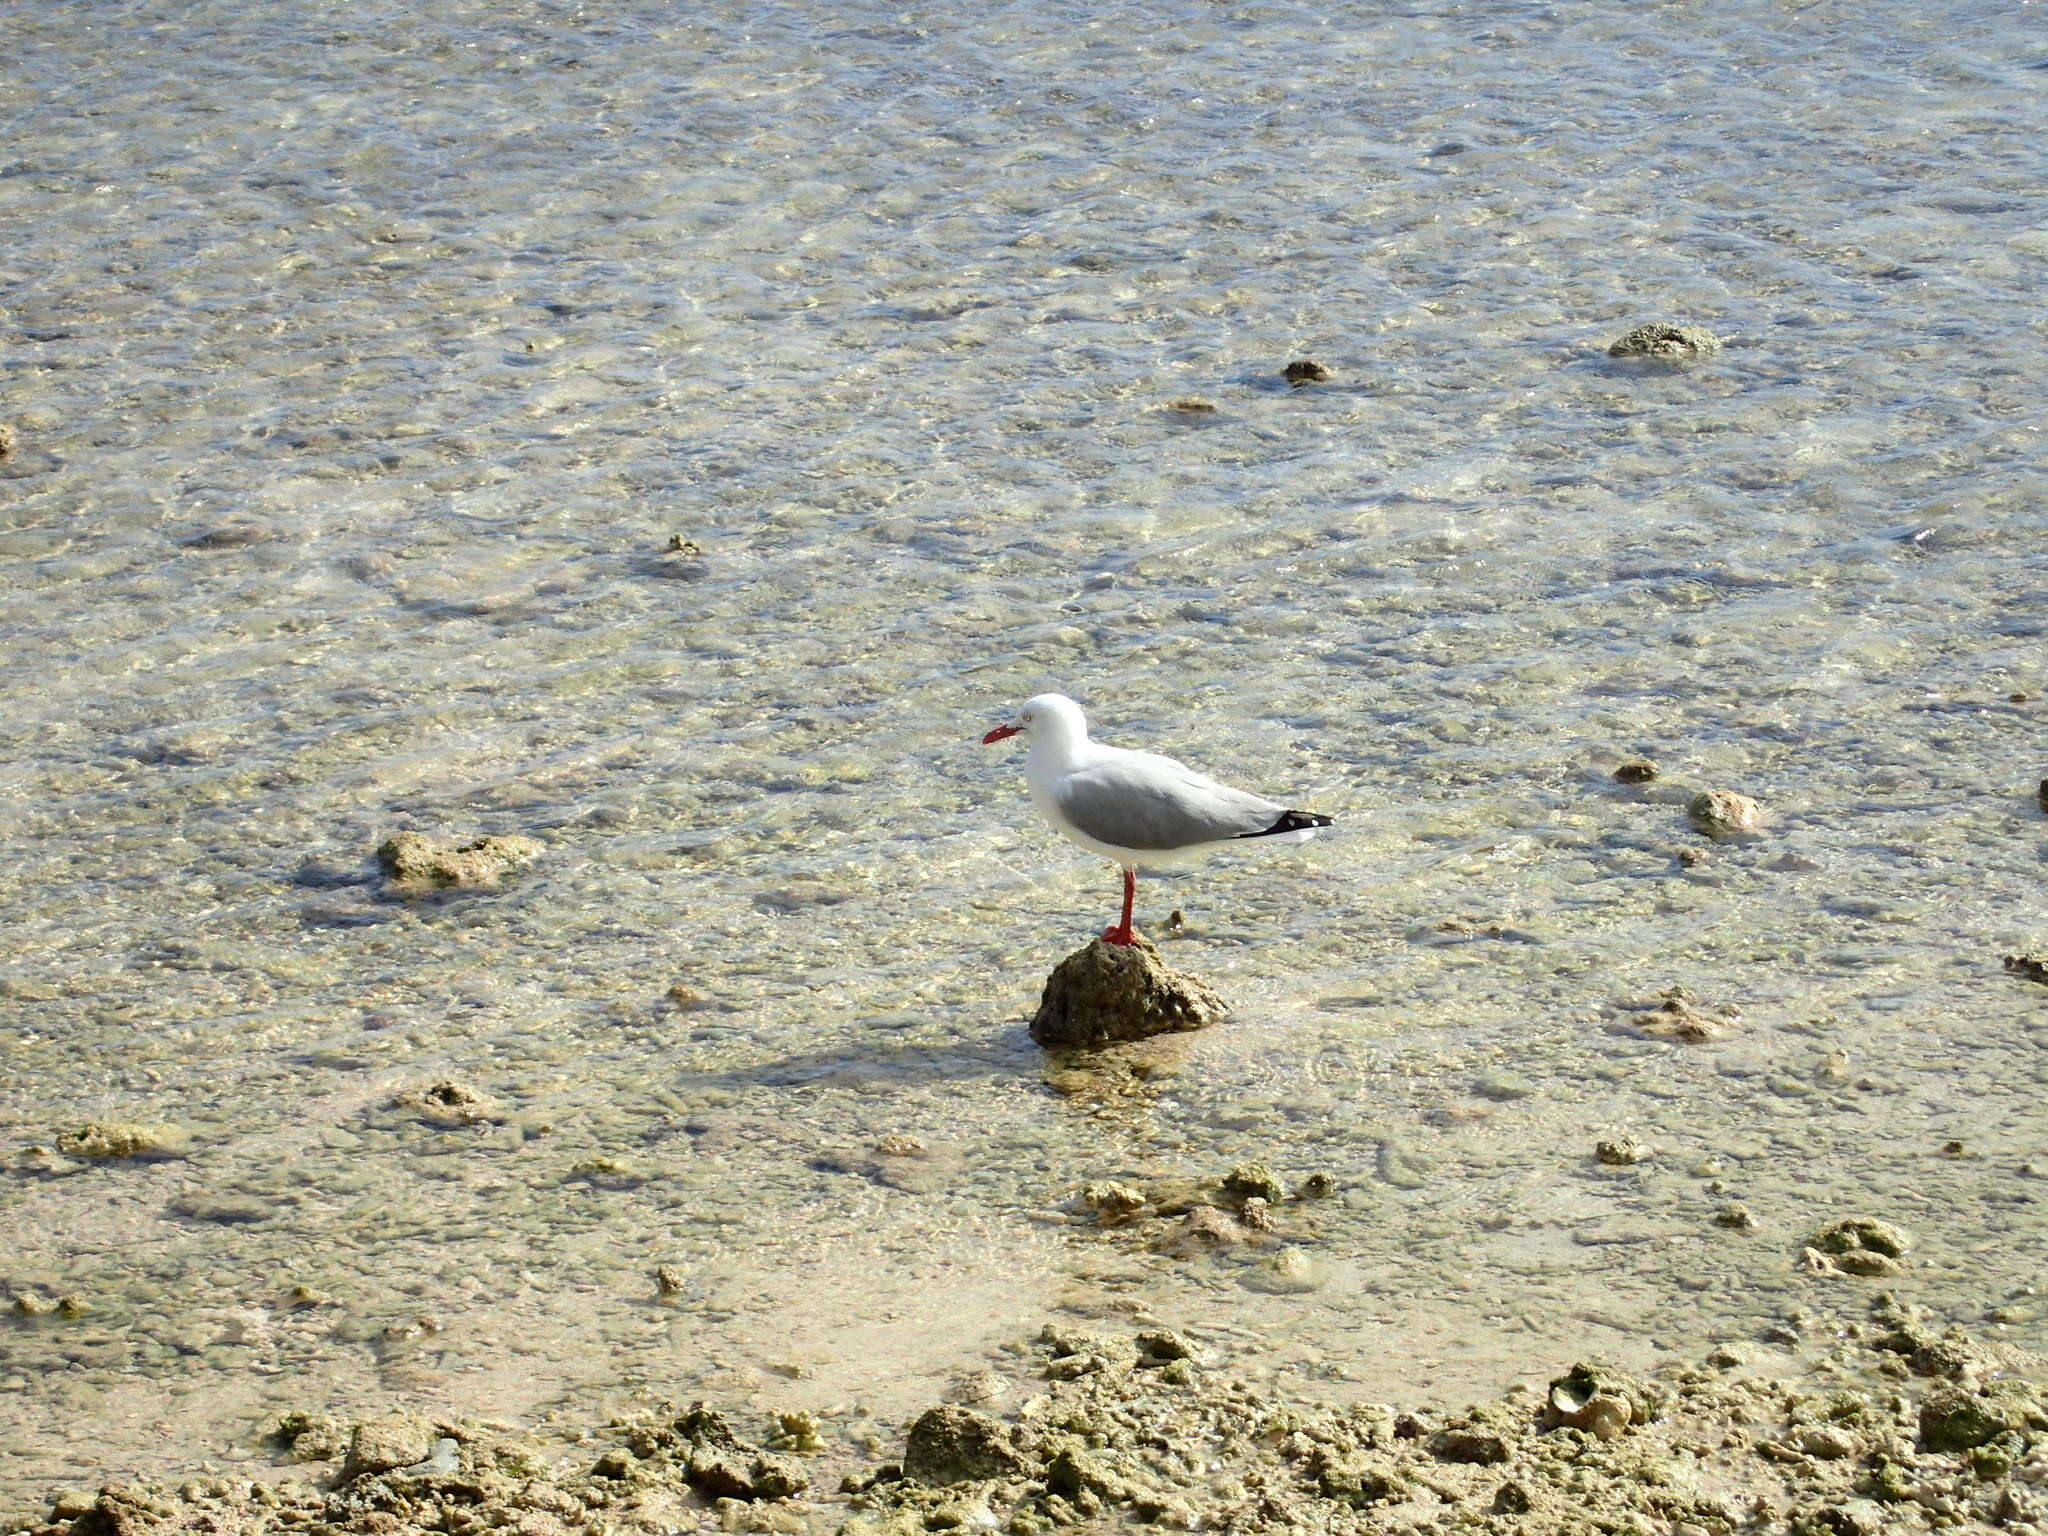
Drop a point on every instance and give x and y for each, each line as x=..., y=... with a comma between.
x=1293, y=821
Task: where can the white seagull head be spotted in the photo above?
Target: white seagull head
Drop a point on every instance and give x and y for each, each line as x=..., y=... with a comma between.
x=1048, y=716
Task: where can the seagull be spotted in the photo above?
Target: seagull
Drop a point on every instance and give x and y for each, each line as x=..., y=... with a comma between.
x=1138, y=808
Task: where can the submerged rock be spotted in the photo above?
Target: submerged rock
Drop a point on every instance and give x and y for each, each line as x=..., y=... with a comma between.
x=449, y=1103
x=2027, y=967
x=1305, y=371
x=1668, y=343
x=1111, y=1203
x=1635, y=773
x=415, y=865
x=1289, y=1272
x=1673, y=1015
x=1109, y=992
x=1254, y=1181
x=1865, y=1232
x=1721, y=813
x=110, y=1139
x=1862, y=1245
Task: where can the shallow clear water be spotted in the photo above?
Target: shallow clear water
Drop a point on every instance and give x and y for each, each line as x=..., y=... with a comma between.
x=364, y=361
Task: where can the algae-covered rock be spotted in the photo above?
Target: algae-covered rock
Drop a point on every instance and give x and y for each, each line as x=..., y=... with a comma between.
x=953, y=1444
x=1635, y=773
x=1109, y=992
x=1254, y=1181
x=417, y=866
x=1666, y=343
x=110, y=1139
x=1306, y=371
x=1866, y=1234
x=1722, y=814
x=1958, y=1419
x=1356, y=1481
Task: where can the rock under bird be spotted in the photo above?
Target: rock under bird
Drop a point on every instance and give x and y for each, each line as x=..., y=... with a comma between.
x=1138, y=808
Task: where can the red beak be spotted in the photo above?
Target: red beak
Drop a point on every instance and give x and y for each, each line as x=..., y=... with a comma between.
x=999, y=733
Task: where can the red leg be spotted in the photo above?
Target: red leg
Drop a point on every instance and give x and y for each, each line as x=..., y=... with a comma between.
x=1123, y=933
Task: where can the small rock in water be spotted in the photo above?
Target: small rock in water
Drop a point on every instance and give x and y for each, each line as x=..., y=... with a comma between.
x=1635, y=773
x=979, y=1387
x=1317, y=1186
x=124, y=1139
x=1674, y=1017
x=418, y=866
x=1621, y=1152
x=1110, y=992
x=1861, y=1246
x=1867, y=1233
x=678, y=545
x=1303, y=371
x=1254, y=1181
x=1112, y=1203
x=1736, y=1218
x=8, y=442
x=1721, y=813
x=2042, y=795
x=1207, y=1228
x=1669, y=343
x=896, y=1144
x=1290, y=1272
x=1191, y=406
x=1504, y=1087
x=2015, y=965
x=449, y=1103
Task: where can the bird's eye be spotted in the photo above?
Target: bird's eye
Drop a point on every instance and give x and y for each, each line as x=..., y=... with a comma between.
x=1025, y=718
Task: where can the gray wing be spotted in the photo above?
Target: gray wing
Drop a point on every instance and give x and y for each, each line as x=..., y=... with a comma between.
x=1152, y=803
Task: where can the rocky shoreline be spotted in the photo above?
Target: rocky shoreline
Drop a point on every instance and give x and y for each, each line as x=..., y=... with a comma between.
x=1891, y=1426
